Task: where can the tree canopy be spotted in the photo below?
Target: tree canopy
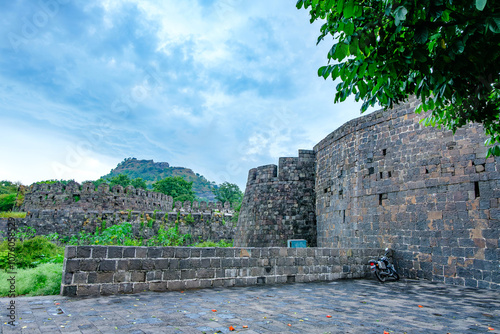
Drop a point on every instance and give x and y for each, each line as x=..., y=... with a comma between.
x=228, y=192
x=177, y=187
x=444, y=52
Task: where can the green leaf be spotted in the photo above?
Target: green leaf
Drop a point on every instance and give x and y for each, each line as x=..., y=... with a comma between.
x=421, y=35
x=400, y=14
x=458, y=47
x=354, y=47
x=363, y=88
x=341, y=51
x=494, y=24
x=349, y=9
x=480, y=4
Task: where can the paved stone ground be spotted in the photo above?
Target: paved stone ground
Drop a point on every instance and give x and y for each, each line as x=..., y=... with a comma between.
x=355, y=306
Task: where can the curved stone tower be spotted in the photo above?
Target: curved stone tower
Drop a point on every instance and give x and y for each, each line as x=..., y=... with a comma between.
x=279, y=204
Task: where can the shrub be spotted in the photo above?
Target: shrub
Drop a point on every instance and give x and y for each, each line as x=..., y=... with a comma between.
x=42, y=280
x=7, y=202
x=31, y=253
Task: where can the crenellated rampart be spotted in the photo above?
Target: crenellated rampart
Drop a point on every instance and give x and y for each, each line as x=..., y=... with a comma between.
x=279, y=203
x=69, y=209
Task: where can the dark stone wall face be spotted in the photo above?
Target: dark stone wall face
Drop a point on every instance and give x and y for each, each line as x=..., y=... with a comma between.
x=279, y=204
x=384, y=180
x=76, y=197
x=205, y=225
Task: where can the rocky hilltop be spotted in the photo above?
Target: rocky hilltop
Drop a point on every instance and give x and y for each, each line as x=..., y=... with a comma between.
x=151, y=172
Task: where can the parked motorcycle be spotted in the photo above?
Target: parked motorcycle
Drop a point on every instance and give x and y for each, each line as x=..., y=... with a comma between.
x=384, y=269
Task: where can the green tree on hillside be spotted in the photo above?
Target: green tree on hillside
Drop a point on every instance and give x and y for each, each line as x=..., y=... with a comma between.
x=139, y=183
x=228, y=192
x=177, y=187
x=7, y=187
x=445, y=52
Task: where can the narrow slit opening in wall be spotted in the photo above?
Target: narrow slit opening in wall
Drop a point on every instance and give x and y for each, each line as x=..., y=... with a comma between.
x=384, y=152
x=379, y=199
x=389, y=174
x=381, y=175
x=476, y=189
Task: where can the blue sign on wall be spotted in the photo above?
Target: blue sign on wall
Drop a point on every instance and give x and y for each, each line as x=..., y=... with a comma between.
x=297, y=243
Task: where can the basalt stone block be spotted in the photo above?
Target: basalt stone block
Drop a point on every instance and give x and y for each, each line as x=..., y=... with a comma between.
x=72, y=265
x=137, y=276
x=99, y=252
x=168, y=252
x=68, y=278
x=207, y=252
x=109, y=289
x=125, y=288
x=115, y=252
x=182, y=252
x=128, y=252
x=155, y=252
x=69, y=290
x=105, y=277
x=88, y=290
x=171, y=275
x=107, y=265
x=121, y=276
x=70, y=252
x=83, y=251
x=158, y=286
x=140, y=287
x=135, y=264
x=141, y=252
x=148, y=264
x=176, y=285
x=80, y=278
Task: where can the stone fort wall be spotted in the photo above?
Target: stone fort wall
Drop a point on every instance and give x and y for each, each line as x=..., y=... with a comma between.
x=76, y=197
x=69, y=209
x=279, y=204
x=383, y=180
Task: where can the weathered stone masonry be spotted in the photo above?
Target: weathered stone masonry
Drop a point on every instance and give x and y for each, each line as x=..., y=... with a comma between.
x=383, y=180
x=104, y=270
x=279, y=204
x=69, y=209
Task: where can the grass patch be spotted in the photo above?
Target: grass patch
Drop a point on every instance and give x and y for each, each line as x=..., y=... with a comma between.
x=10, y=214
x=40, y=281
x=222, y=244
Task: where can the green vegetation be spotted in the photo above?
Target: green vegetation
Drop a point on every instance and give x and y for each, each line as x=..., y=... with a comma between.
x=39, y=260
x=7, y=201
x=31, y=253
x=177, y=187
x=152, y=172
x=209, y=243
x=228, y=192
x=7, y=187
x=446, y=53
x=11, y=195
x=42, y=280
x=12, y=214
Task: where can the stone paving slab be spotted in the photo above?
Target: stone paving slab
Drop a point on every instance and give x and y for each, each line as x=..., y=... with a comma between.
x=355, y=306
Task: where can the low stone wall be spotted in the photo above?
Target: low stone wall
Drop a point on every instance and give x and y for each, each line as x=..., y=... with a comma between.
x=105, y=270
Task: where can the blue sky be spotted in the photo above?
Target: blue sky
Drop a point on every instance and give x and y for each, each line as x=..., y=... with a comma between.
x=216, y=86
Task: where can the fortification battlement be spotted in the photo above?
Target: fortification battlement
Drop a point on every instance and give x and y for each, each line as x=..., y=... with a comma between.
x=85, y=197
x=288, y=169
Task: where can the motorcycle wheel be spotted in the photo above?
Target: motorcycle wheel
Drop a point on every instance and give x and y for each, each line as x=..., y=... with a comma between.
x=381, y=278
